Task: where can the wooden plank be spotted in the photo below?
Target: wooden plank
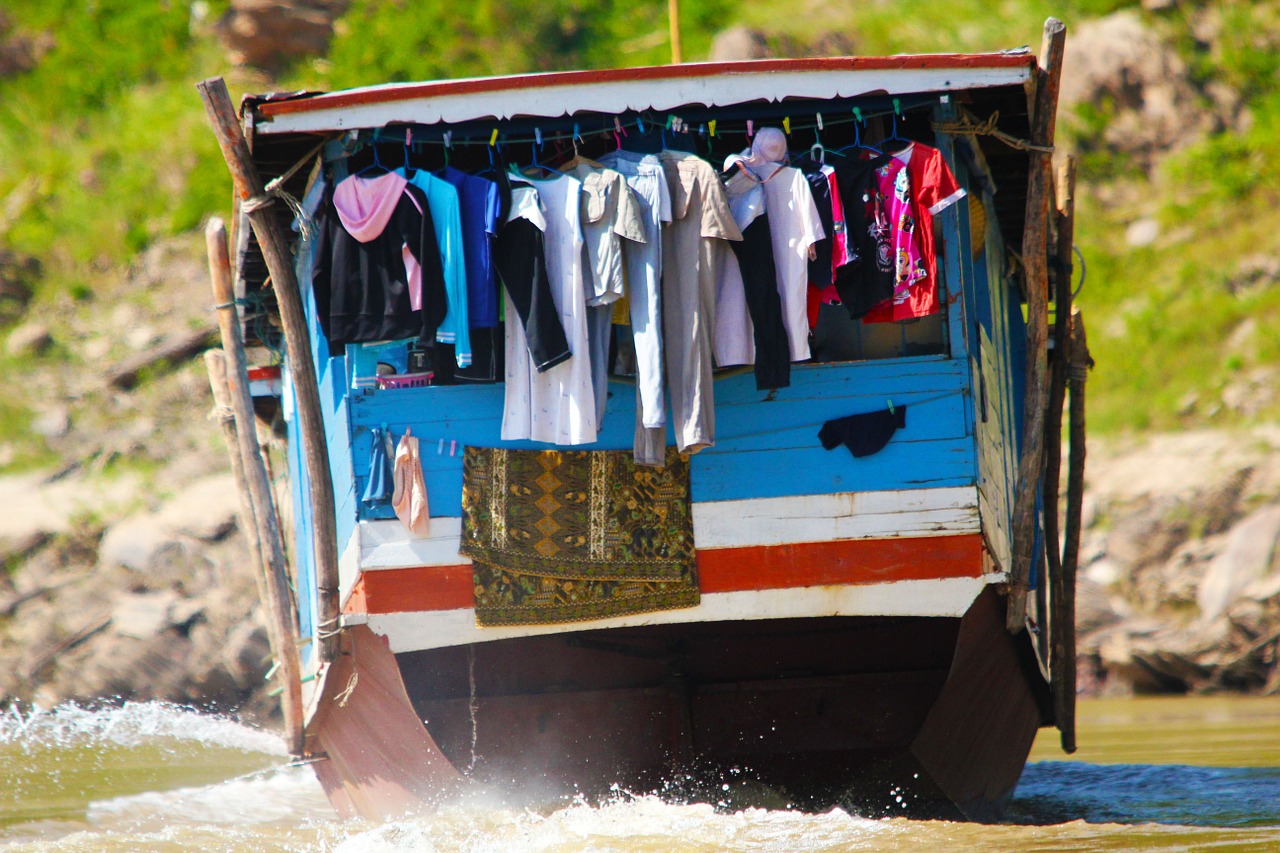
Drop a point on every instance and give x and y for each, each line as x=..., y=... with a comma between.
x=367, y=730
x=1078, y=373
x=280, y=262
x=950, y=597
x=1035, y=273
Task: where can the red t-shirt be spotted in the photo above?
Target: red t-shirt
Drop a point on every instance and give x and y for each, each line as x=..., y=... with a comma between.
x=916, y=184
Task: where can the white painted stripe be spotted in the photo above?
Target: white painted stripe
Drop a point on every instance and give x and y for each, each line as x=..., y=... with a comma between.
x=730, y=524
x=829, y=518
x=407, y=632
x=713, y=90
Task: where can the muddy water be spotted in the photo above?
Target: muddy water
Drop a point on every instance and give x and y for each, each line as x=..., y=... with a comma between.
x=1171, y=774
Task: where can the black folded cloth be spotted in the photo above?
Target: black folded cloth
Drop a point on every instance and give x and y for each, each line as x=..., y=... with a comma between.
x=863, y=434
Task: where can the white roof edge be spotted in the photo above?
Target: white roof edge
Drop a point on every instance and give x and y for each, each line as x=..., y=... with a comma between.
x=718, y=88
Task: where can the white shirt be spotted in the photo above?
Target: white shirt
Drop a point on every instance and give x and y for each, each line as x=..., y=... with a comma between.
x=557, y=406
x=794, y=226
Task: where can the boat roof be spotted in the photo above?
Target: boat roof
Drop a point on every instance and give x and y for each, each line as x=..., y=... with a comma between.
x=651, y=88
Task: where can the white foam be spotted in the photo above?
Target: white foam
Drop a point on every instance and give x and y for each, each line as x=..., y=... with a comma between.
x=131, y=724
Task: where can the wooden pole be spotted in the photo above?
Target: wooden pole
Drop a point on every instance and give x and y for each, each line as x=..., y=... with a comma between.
x=315, y=452
x=1035, y=271
x=1077, y=374
x=673, y=18
x=1062, y=621
x=229, y=378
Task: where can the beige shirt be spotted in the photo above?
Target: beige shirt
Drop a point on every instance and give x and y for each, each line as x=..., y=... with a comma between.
x=690, y=261
x=610, y=213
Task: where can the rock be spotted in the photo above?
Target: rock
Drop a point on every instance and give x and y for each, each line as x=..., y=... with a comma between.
x=28, y=339
x=1248, y=556
x=19, y=51
x=1093, y=607
x=143, y=615
x=740, y=42
x=1142, y=232
x=1117, y=60
x=269, y=33
x=53, y=422
x=206, y=509
x=140, y=543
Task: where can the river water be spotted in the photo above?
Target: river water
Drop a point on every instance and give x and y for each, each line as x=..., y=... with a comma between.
x=1151, y=774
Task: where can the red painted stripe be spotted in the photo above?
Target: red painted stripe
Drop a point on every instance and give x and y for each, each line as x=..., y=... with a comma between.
x=855, y=561
x=441, y=88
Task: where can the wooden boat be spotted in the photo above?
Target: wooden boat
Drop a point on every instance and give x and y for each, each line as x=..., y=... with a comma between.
x=886, y=632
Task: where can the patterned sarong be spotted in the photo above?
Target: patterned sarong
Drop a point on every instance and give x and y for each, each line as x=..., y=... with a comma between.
x=566, y=536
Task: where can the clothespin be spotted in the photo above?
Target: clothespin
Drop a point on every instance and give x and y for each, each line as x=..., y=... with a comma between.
x=639, y=124
x=577, y=133
x=669, y=120
x=897, y=107
x=493, y=138
x=448, y=139
x=440, y=448
x=537, y=136
x=711, y=126
x=618, y=128
x=453, y=445
x=944, y=99
x=891, y=407
x=819, y=117
x=408, y=136
x=751, y=128
x=857, y=113
x=786, y=125
x=702, y=130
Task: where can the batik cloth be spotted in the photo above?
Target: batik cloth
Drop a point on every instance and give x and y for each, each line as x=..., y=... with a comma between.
x=567, y=536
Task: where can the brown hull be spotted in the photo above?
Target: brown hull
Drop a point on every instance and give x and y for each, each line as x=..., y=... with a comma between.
x=849, y=711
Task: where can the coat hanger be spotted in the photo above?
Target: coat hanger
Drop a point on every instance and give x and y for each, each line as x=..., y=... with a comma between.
x=376, y=164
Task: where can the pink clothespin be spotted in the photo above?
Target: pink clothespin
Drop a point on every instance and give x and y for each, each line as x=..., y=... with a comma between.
x=453, y=448
x=751, y=128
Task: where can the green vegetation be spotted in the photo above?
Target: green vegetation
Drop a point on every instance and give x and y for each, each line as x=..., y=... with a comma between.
x=105, y=150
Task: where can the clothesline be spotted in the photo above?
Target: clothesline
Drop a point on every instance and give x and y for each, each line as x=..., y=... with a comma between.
x=642, y=122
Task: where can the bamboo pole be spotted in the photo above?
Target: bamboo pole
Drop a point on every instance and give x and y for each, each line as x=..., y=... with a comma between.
x=1035, y=271
x=229, y=378
x=673, y=20
x=1077, y=374
x=315, y=452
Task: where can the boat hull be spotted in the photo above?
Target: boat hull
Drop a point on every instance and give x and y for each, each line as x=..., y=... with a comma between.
x=924, y=716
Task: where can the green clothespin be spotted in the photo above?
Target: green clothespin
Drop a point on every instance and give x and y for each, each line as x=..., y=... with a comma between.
x=891, y=407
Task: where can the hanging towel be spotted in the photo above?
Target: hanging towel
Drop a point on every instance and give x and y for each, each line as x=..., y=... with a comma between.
x=410, y=496
x=863, y=434
x=378, y=489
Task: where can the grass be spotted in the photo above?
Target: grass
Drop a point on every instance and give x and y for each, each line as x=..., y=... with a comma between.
x=106, y=150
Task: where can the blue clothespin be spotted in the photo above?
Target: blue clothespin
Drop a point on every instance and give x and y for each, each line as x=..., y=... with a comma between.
x=639, y=124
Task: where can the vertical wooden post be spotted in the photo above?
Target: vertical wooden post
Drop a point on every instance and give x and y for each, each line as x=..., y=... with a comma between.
x=1077, y=373
x=229, y=378
x=1035, y=272
x=673, y=20
x=315, y=452
x=1062, y=618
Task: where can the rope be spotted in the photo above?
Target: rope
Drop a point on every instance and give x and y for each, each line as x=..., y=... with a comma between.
x=345, y=696
x=275, y=190
x=966, y=126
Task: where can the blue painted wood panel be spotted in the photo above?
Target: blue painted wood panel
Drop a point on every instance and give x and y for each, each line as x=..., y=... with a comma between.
x=765, y=447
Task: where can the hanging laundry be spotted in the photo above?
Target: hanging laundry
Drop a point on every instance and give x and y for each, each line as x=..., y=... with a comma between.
x=380, y=486
x=867, y=280
x=446, y=219
x=520, y=261
x=830, y=253
x=481, y=208
x=794, y=227
x=363, y=289
x=916, y=184
x=643, y=262
x=409, y=498
x=691, y=259
x=610, y=214
x=749, y=326
x=863, y=434
x=555, y=405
